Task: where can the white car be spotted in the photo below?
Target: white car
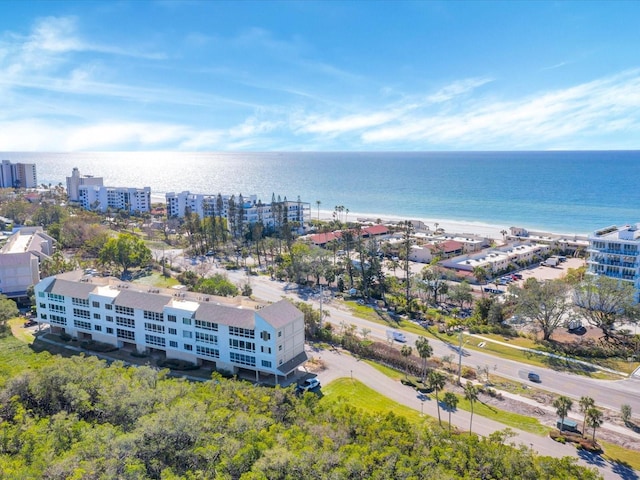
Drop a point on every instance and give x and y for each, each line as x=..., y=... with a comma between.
x=309, y=384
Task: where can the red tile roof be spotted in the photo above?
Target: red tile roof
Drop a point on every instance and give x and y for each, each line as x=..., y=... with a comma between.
x=376, y=230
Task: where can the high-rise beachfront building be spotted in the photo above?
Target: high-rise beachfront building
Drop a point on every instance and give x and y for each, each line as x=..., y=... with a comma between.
x=249, y=209
x=76, y=180
x=237, y=335
x=101, y=198
x=18, y=175
x=615, y=252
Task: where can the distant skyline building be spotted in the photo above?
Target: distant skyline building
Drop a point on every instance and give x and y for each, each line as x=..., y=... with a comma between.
x=76, y=180
x=615, y=252
x=18, y=175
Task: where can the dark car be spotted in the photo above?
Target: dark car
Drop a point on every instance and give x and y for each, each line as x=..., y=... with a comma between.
x=534, y=377
x=30, y=323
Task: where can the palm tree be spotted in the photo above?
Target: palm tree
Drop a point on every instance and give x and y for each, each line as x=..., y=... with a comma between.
x=318, y=202
x=585, y=404
x=405, y=351
x=594, y=419
x=562, y=405
x=481, y=275
x=471, y=394
x=450, y=401
x=425, y=351
x=437, y=381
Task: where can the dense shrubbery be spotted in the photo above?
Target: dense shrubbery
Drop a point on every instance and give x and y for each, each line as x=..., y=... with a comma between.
x=79, y=418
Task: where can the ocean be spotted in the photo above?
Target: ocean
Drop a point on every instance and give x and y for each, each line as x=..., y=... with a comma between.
x=556, y=191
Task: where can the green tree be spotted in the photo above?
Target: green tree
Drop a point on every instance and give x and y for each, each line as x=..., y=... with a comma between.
x=437, y=381
x=605, y=301
x=585, y=404
x=461, y=294
x=625, y=413
x=8, y=310
x=425, y=351
x=450, y=401
x=126, y=251
x=563, y=406
x=594, y=419
x=405, y=351
x=546, y=303
x=471, y=394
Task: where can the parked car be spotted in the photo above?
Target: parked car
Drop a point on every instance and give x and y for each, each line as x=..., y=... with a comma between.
x=534, y=377
x=309, y=384
x=30, y=323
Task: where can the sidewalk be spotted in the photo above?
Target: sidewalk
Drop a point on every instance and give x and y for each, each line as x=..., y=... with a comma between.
x=559, y=357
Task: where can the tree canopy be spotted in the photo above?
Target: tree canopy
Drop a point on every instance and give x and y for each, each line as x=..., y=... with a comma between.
x=126, y=251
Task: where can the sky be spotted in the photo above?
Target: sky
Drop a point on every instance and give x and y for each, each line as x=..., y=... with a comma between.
x=319, y=76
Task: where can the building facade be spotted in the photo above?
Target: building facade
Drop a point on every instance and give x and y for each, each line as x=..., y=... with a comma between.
x=101, y=198
x=20, y=260
x=615, y=252
x=18, y=175
x=253, y=210
x=76, y=180
x=264, y=340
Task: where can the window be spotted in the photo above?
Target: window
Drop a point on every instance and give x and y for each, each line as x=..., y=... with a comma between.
x=266, y=336
x=109, y=318
x=80, y=302
x=152, y=316
x=110, y=330
x=188, y=347
x=57, y=308
x=265, y=349
x=206, y=325
x=187, y=334
x=55, y=297
x=186, y=321
x=279, y=334
x=242, y=345
x=41, y=294
x=173, y=344
x=126, y=334
x=266, y=363
x=78, y=312
x=171, y=318
x=124, y=310
x=95, y=304
x=81, y=324
x=108, y=306
x=206, y=338
x=207, y=351
x=126, y=322
x=96, y=316
x=242, y=359
x=154, y=340
x=173, y=331
x=279, y=348
x=97, y=328
x=242, y=332
x=57, y=319
x=154, y=327
x=43, y=316
x=43, y=305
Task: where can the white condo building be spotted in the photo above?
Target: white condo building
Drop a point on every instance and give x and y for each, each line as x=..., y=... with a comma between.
x=615, y=252
x=76, y=180
x=205, y=330
x=18, y=175
x=253, y=210
x=101, y=198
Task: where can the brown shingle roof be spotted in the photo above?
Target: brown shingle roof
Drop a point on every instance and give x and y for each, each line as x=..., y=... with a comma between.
x=232, y=316
x=279, y=314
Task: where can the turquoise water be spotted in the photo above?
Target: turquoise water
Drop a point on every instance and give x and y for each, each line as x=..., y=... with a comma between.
x=575, y=192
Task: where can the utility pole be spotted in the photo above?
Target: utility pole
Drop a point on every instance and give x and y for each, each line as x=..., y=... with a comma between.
x=460, y=358
x=321, y=295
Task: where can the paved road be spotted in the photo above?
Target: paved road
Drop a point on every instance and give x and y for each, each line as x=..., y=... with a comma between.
x=342, y=365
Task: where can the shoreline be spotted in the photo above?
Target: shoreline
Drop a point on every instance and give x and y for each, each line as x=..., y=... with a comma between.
x=489, y=230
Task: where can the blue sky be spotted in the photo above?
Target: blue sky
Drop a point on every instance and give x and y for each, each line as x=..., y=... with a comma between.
x=329, y=76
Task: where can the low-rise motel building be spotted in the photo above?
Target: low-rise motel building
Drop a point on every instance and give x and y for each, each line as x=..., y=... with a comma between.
x=233, y=335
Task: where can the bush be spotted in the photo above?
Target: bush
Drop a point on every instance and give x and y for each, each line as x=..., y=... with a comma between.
x=65, y=337
x=177, y=364
x=94, y=346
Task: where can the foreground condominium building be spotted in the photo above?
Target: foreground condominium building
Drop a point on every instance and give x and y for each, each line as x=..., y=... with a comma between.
x=615, y=252
x=234, y=337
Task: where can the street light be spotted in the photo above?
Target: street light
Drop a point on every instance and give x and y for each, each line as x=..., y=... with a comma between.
x=460, y=356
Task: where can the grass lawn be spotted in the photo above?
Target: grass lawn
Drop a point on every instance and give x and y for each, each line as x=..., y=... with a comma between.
x=362, y=397
x=17, y=356
x=157, y=280
x=616, y=453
